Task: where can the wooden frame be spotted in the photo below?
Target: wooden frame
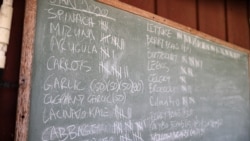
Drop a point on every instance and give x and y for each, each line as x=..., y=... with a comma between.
x=23, y=108
x=22, y=117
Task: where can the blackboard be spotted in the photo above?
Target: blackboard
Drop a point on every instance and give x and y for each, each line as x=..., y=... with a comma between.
x=100, y=73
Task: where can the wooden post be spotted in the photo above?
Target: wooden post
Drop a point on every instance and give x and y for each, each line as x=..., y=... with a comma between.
x=23, y=104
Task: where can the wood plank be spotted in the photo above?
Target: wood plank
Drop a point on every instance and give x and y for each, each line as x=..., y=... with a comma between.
x=148, y=5
x=22, y=118
x=181, y=11
x=237, y=23
x=211, y=17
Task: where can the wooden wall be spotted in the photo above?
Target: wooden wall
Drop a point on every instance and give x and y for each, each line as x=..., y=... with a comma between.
x=225, y=19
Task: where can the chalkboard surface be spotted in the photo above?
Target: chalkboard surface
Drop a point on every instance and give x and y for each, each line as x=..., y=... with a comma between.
x=103, y=74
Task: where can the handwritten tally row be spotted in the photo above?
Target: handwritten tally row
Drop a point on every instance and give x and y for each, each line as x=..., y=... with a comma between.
x=130, y=130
